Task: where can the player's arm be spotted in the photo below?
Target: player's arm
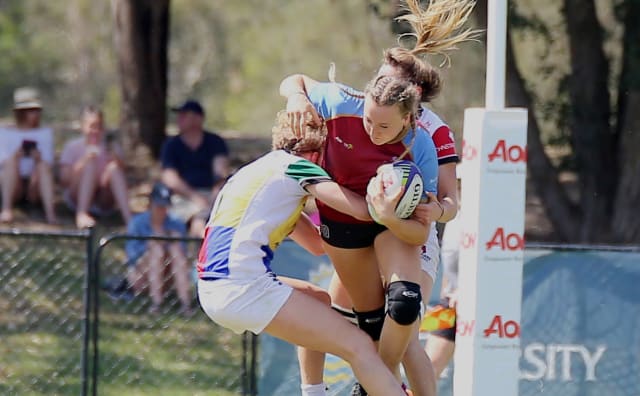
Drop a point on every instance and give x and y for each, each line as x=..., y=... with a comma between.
x=414, y=230
x=340, y=198
x=317, y=182
x=447, y=192
x=306, y=235
x=295, y=88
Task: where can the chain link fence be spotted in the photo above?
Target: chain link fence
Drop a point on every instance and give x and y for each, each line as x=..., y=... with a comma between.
x=71, y=324
x=43, y=313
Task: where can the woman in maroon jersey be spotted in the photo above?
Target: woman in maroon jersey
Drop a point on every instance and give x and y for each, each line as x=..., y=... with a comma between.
x=405, y=63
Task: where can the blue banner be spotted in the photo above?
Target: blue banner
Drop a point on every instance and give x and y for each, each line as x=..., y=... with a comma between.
x=579, y=327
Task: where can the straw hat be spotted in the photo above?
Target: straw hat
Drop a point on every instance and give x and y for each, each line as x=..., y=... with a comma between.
x=26, y=98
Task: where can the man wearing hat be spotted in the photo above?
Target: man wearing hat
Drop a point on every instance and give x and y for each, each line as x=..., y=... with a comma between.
x=26, y=158
x=195, y=164
x=148, y=259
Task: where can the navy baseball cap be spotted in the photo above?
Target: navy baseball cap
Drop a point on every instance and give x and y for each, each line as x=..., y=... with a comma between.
x=190, y=105
x=160, y=195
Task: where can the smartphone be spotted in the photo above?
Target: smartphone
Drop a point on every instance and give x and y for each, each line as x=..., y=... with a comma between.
x=28, y=146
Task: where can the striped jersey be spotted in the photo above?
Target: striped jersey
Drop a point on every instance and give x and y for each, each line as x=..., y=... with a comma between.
x=350, y=157
x=255, y=210
x=441, y=135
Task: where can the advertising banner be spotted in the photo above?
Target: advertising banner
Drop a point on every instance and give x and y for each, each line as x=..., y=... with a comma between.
x=579, y=327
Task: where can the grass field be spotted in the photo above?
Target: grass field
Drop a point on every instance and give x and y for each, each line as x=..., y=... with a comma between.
x=41, y=332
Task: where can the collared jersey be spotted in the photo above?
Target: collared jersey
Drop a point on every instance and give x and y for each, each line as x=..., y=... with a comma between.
x=350, y=157
x=255, y=210
x=441, y=135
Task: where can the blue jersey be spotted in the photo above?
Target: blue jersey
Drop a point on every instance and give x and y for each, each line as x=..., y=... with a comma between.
x=351, y=158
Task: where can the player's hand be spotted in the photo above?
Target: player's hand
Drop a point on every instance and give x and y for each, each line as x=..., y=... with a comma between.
x=422, y=213
x=301, y=112
x=383, y=203
x=434, y=208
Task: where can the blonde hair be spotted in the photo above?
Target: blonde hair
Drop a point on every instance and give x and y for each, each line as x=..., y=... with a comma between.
x=437, y=30
x=283, y=137
x=389, y=91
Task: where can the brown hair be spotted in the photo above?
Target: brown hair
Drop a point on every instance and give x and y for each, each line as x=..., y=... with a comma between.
x=389, y=91
x=283, y=137
x=436, y=30
x=91, y=110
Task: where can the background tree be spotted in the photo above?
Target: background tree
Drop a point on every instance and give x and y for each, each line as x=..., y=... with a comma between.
x=141, y=41
x=601, y=133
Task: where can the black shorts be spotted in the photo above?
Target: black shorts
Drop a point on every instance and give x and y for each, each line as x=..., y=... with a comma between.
x=349, y=236
x=447, y=334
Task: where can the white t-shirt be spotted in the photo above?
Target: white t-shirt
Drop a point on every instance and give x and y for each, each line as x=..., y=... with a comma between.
x=11, y=140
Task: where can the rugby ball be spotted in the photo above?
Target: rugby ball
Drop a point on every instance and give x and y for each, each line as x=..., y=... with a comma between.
x=400, y=174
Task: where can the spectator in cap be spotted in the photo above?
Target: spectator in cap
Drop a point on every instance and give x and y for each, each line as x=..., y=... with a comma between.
x=156, y=265
x=92, y=172
x=26, y=158
x=195, y=164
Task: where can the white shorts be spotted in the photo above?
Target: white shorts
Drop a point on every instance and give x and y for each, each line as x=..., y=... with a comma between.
x=240, y=304
x=430, y=255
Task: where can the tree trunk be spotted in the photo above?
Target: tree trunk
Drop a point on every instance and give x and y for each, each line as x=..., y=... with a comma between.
x=141, y=40
x=593, y=138
x=626, y=220
x=563, y=214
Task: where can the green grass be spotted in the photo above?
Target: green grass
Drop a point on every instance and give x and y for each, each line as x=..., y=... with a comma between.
x=41, y=312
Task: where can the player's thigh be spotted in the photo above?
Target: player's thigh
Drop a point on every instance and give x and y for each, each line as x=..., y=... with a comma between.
x=339, y=295
x=308, y=288
x=359, y=273
x=309, y=323
x=397, y=260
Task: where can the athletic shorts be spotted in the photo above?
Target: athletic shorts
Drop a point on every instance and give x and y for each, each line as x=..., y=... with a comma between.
x=349, y=236
x=430, y=255
x=240, y=304
x=447, y=334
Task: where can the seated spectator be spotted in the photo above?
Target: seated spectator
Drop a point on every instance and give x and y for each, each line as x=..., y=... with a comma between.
x=26, y=158
x=92, y=172
x=149, y=259
x=195, y=164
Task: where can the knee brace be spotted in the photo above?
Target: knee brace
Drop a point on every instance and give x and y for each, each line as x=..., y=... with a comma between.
x=371, y=322
x=403, y=302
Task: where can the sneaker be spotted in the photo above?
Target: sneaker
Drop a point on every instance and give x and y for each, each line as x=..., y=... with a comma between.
x=358, y=390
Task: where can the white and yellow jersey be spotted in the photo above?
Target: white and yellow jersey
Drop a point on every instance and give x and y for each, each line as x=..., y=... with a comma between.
x=255, y=210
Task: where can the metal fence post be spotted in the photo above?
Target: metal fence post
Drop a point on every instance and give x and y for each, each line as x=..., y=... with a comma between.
x=88, y=286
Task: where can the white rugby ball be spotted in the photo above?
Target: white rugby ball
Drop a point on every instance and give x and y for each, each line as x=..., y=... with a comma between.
x=397, y=175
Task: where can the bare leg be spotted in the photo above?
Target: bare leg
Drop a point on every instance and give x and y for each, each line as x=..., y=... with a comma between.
x=85, y=190
x=311, y=362
x=41, y=185
x=156, y=272
x=11, y=188
x=116, y=181
x=398, y=262
x=440, y=350
x=416, y=362
x=180, y=271
x=305, y=321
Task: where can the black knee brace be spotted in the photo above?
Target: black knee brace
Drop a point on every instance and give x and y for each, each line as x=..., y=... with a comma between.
x=403, y=302
x=371, y=322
